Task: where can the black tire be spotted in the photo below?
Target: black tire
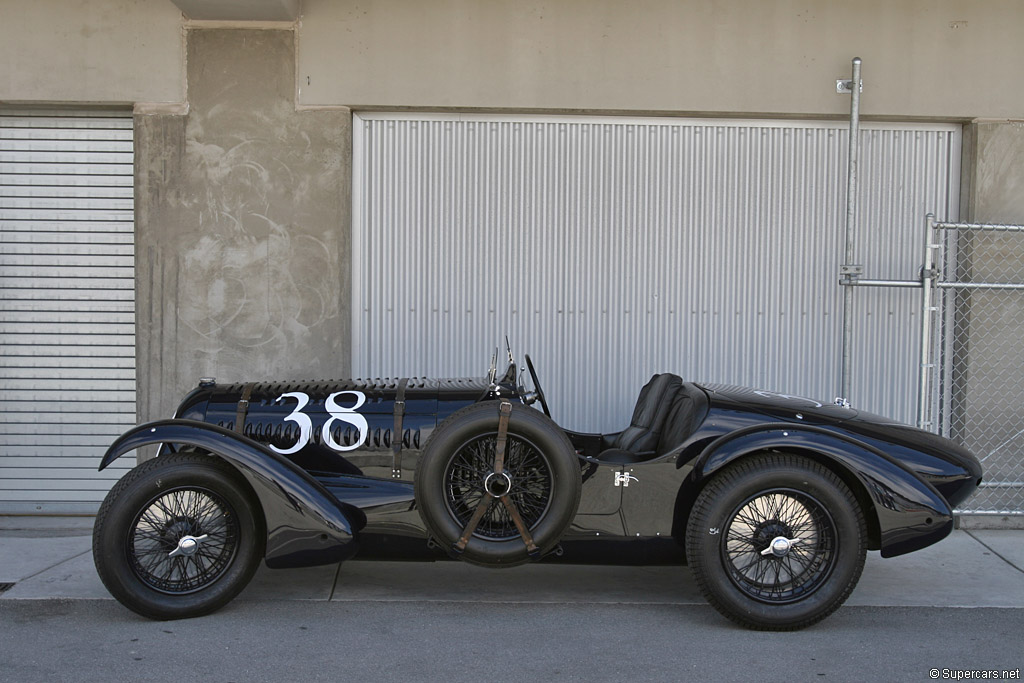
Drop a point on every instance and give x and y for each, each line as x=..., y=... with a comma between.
x=192, y=503
x=545, y=483
x=752, y=503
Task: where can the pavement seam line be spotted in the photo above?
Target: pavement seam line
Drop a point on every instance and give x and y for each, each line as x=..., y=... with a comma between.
x=648, y=603
x=334, y=585
x=993, y=551
x=42, y=571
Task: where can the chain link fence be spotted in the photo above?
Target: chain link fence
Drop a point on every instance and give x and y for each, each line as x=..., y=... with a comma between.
x=977, y=355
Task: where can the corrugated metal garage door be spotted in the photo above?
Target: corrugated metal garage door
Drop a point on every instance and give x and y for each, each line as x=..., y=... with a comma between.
x=613, y=248
x=67, y=296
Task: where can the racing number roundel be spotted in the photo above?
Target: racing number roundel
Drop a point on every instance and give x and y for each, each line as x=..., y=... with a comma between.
x=337, y=412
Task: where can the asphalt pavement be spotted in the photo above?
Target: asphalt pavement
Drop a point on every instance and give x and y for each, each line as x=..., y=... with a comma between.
x=956, y=606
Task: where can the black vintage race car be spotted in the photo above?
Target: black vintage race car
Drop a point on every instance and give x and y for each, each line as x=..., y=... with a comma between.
x=772, y=500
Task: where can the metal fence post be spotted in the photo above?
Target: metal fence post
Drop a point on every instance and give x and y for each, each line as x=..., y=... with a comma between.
x=928, y=275
x=851, y=216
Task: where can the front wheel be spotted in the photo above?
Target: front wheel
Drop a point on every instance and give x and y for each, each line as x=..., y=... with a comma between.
x=178, y=536
x=776, y=542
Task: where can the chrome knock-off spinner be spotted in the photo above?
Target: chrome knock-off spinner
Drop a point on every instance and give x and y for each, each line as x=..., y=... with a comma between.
x=188, y=545
x=780, y=546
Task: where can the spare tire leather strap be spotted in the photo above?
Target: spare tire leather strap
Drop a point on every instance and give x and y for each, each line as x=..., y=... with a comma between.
x=397, y=433
x=504, y=413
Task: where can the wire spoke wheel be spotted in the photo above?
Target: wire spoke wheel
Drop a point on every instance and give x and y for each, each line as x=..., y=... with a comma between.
x=198, y=524
x=472, y=509
x=178, y=536
x=776, y=541
x=529, y=485
x=773, y=570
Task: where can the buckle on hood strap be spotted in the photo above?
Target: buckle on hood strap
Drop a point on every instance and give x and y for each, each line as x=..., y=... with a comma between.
x=243, y=408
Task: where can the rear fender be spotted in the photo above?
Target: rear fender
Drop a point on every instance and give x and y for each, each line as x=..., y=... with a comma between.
x=910, y=513
x=306, y=525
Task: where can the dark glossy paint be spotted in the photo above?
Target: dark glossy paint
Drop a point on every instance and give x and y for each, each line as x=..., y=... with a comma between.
x=426, y=402
x=306, y=525
x=899, y=475
x=951, y=469
x=907, y=480
x=907, y=511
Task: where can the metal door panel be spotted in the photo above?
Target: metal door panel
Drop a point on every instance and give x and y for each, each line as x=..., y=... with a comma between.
x=615, y=248
x=67, y=291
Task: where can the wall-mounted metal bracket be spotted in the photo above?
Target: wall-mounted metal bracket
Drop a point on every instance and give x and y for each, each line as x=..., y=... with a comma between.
x=848, y=274
x=845, y=87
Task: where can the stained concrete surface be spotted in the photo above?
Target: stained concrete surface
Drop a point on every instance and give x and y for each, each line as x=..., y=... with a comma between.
x=411, y=621
x=959, y=571
x=243, y=209
x=24, y=558
x=968, y=569
x=1004, y=543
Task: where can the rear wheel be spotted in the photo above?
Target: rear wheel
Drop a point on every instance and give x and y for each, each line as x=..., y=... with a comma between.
x=179, y=536
x=776, y=542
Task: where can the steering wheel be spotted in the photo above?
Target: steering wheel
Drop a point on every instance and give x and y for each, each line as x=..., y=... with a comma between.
x=536, y=386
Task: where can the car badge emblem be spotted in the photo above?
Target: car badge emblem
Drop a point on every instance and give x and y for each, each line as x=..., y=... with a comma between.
x=623, y=479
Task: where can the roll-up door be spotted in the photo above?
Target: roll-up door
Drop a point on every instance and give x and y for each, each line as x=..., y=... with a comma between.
x=67, y=298
x=612, y=248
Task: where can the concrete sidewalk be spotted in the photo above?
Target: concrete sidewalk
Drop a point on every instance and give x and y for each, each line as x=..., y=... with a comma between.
x=976, y=568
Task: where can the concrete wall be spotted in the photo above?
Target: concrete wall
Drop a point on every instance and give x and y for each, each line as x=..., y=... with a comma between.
x=242, y=222
x=990, y=324
x=114, y=51
x=242, y=202
x=922, y=58
x=997, y=167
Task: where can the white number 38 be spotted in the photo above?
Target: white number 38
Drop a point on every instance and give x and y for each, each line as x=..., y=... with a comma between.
x=347, y=415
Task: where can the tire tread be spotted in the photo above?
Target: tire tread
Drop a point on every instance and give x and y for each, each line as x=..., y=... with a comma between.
x=719, y=486
x=125, y=486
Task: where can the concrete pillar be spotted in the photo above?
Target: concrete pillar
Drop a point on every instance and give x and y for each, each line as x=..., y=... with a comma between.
x=243, y=226
x=988, y=387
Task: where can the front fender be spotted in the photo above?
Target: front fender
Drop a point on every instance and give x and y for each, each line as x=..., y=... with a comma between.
x=306, y=525
x=909, y=512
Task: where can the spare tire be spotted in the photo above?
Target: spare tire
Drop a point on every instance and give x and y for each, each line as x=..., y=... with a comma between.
x=543, y=484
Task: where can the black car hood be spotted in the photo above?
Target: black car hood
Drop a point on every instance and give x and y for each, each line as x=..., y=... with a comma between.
x=777, y=405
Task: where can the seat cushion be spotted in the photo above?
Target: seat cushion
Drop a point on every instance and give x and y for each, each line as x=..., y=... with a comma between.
x=652, y=407
x=688, y=409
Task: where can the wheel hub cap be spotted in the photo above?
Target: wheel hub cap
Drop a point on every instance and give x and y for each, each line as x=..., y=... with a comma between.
x=780, y=546
x=187, y=546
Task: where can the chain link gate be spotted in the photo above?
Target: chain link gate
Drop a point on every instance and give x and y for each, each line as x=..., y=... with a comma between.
x=971, y=384
x=972, y=365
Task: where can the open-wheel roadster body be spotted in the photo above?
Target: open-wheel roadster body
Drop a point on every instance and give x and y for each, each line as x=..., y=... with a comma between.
x=772, y=500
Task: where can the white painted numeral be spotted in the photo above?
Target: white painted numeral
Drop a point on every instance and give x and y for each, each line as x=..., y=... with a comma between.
x=298, y=417
x=347, y=415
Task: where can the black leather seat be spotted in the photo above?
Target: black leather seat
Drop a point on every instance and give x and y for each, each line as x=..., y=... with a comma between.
x=640, y=440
